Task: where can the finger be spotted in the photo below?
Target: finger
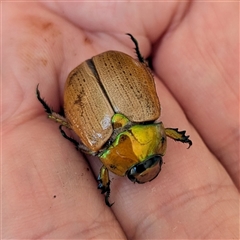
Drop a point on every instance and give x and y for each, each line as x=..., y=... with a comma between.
x=199, y=65
x=103, y=17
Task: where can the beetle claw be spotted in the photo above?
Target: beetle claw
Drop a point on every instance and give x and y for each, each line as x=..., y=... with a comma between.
x=50, y=113
x=106, y=191
x=47, y=109
x=107, y=195
x=104, y=184
x=177, y=135
x=140, y=57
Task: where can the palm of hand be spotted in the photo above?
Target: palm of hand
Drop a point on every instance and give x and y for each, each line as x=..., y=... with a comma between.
x=47, y=189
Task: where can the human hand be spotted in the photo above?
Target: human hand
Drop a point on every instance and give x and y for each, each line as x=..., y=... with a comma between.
x=49, y=190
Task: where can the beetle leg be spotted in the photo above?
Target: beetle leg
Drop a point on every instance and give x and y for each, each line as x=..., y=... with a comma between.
x=78, y=145
x=140, y=57
x=178, y=135
x=51, y=114
x=104, y=184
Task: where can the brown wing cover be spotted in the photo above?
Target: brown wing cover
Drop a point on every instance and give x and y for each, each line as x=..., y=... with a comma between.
x=86, y=108
x=129, y=85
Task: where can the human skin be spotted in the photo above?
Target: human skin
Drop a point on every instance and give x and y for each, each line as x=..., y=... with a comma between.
x=49, y=190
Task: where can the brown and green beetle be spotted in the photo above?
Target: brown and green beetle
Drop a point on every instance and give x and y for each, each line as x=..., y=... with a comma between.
x=110, y=102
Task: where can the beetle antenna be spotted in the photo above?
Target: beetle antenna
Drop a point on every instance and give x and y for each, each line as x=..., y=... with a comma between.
x=140, y=57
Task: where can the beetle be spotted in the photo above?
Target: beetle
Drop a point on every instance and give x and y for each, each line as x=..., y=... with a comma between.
x=110, y=102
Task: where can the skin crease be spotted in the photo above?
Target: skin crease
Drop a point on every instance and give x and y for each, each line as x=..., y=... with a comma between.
x=50, y=190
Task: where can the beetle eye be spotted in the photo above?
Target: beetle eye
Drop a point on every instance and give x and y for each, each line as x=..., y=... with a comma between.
x=145, y=171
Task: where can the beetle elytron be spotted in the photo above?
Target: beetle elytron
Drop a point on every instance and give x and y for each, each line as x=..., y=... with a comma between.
x=110, y=102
